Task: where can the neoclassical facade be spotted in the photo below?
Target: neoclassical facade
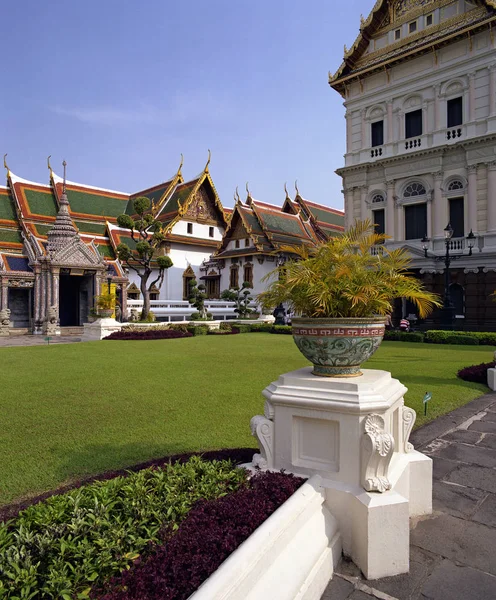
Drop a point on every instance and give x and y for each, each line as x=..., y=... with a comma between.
x=419, y=87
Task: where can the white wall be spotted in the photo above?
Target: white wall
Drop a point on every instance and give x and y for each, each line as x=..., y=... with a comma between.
x=200, y=230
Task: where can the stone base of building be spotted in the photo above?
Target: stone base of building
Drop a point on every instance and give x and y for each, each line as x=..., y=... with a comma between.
x=354, y=435
x=100, y=329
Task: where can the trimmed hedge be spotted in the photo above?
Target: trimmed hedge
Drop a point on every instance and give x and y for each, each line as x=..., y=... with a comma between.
x=212, y=530
x=198, y=329
x=476, y=373
x=153, y=334
x=403, y=336
x=484, y=338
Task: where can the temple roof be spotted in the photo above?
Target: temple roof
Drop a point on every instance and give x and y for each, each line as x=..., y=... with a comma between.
x=387, y=15
x=8, y=215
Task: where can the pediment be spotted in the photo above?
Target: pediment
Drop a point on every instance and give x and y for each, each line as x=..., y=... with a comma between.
x=76, y=254
x=202, y=207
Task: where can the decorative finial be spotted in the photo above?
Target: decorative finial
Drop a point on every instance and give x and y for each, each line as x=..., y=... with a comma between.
x=208, y=161
x=296, y=187
x=238, y=199
x=5, y=162
x=362, y=21
x=64, y=164
x=180, y=164
x=345, y=50
x=247, y=190
x=286, y=190
x=48, y=163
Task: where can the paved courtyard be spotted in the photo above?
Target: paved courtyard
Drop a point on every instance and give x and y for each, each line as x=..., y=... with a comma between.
x=453, y=551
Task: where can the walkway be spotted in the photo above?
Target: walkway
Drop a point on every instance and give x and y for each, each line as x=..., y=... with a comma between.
x=453, y=552
x=36, y=340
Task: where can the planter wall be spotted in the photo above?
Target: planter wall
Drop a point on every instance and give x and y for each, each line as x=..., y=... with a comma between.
x=290, y=557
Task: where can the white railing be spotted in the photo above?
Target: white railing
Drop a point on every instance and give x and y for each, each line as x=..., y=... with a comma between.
x=181, y=310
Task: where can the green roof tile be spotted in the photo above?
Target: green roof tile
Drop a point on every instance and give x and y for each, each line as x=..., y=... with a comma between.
x=282, y=224
x=180, y=195
x=96, y=204
x=7, y=210
x=11, y=236
x=41, y=202
x=326, y=216
x=96, y=228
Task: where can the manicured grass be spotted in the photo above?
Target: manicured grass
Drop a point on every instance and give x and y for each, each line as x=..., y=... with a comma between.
x=74, y=410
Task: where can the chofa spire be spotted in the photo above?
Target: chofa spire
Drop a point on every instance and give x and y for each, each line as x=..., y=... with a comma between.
x=63, y=229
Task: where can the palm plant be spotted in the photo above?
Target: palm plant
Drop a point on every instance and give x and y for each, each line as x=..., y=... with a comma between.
x=345, y=278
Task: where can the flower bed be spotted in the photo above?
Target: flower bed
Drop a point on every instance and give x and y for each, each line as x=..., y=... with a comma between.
x=85, y=542
x=209, y=534
x=476, y=373
x=150, y=334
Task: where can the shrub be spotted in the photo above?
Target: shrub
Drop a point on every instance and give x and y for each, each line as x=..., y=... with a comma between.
x=145, y=334
x=219, y=332
x=403, y=336
x=476, y=373
x=58, y=548
x=210, y=533
x=197, y=317
x=261, y=327
x=439, y=337
x=242, y=327
x=462, y=340
x=179, y=327
x=198, y=329
x=284, y=329
x=225, y=326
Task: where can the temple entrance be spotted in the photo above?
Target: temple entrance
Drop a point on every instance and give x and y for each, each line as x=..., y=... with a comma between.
x=75, y=299
x=20, y=307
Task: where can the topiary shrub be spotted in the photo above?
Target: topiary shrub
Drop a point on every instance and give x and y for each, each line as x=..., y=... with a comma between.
x=261, y=328
x=225, y=326
x=148, y=334
x=476, y=373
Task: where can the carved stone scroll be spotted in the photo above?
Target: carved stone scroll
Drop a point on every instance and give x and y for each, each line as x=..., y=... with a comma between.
x=408, y=420
x=377, y=450
x=4, y=322
x=263, y=429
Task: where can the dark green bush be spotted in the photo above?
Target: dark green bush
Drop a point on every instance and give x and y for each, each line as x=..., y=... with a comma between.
x=284, y=329
x=198, y=329
x=403, y=336
x=196, y=317
x=262, y=327
x=484, y=338
x=179, y=327
x=226, y=326
x=462, y=340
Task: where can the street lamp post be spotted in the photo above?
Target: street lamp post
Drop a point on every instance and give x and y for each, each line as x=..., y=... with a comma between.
x=448, y=310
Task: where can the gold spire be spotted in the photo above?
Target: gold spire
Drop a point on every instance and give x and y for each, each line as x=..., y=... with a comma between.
x=286, y=190
x=5, y=163
x=296, y=187
x=48, y=164
x=180, y=164
x=208, y=161
x=236, y=196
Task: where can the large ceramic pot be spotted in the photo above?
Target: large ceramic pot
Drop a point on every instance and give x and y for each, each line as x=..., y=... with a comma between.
x=337, y=347
x=105, y=313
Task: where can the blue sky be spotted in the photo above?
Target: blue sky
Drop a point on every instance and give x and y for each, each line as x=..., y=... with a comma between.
x=120, y=89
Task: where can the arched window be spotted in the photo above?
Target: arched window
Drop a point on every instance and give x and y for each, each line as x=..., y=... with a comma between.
x=133, y=292
x=377, y=198
x=414, y=189
x=457, y=295
x=454, y=185
x=234, y=277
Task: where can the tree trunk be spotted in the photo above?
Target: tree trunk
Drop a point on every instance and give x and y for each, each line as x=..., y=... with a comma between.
x=146, y=296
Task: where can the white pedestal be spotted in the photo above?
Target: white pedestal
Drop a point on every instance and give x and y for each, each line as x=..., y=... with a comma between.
x=491, y=379
x=100, y=329
x=353, y=432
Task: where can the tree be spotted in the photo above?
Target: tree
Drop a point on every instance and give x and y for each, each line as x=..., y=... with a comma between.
x=241, y=296
x=147, y=233
x=197, y=298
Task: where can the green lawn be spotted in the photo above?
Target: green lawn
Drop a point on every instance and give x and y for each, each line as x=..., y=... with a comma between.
x=73, y=410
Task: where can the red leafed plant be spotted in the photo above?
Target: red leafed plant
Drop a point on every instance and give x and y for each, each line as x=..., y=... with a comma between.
x=476, y=373
x=209, y=534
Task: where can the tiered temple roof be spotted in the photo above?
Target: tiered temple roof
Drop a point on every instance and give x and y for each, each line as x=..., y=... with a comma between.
x=269, y=227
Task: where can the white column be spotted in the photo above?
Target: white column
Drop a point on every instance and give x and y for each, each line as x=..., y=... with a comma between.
x=491, y=197
x=471, y=96
x=364, y=211
x=349, y=136
x=399, y=228
x=437, y=108
x=390, y=210
x=4, y=299
x=492, y=90
x=363, y=143
x=389, y=122
x=472, y=198
x=348, y=208
x=439, y=208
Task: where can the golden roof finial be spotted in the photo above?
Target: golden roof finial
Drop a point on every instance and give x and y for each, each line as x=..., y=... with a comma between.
x=345, y=50
x=362, y=21
x=236, y=196
x=208, y=161
x=296, y=187
x=5, y=163
x=247, y=190
x=286, y=190
x=180, y=164
x=48, y=164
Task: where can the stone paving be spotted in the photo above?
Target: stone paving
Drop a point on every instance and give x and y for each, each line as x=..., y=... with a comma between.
x=453, y=551
x=36, y=340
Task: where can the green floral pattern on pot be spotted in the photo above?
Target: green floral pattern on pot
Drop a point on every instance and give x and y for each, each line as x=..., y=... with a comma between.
x=338, y=347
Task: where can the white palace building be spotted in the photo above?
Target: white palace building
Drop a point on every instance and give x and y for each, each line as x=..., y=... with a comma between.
x=419, y=88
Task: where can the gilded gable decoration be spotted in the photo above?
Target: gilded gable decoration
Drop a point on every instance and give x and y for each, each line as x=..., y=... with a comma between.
x=402, y=7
